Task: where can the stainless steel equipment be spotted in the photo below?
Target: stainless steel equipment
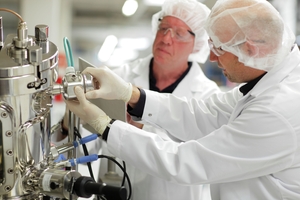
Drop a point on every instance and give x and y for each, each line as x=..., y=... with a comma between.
x=28, y=164
x=28, y=71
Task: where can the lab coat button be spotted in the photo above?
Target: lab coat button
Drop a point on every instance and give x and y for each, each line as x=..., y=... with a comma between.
x=149, y=114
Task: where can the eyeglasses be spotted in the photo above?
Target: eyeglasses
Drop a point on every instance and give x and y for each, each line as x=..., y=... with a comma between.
x=217, y=51
x=178, y=33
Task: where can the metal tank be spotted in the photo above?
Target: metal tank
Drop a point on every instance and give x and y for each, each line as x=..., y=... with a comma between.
x=28, y=69
x=28, y=165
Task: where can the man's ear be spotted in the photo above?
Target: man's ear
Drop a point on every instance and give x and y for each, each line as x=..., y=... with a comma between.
x=251, y=49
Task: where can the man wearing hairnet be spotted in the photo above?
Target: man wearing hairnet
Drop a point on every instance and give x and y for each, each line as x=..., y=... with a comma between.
x=244, y=142
x=180, y=42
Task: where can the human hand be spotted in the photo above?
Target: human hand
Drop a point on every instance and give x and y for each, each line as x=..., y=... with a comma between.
x=87, y=111
x=108, y=85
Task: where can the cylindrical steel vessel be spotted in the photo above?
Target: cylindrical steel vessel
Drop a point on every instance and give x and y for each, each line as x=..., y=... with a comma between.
x=29, y=167
x=28, y=70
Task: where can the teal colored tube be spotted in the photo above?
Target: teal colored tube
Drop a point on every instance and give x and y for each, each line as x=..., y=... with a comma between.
x=68, y=52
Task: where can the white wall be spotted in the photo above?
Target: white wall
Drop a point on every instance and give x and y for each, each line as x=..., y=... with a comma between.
x=56, y=14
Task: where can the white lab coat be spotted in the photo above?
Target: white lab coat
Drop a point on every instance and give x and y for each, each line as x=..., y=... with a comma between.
x=195, y=84
x=246, y=147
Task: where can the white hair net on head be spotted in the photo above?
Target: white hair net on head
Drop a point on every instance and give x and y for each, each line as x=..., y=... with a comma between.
x=193, y=14
x=253, y=30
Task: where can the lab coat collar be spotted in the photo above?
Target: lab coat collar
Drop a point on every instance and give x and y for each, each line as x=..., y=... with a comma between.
x=185, y=86
x=190, y=81
x=141, y=72
x=143, y=64
x=278, y=73
x=248, y=86
x=195, y=82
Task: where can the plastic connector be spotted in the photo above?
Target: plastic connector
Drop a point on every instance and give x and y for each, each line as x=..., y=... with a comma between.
x=84, y=159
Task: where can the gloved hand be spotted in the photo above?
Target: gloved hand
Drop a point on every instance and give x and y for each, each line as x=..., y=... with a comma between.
x=87, y=111
x=108, y=85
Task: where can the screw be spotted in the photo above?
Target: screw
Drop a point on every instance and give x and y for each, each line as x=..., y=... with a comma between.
x=8, y=133
x=9, y=152
x=7, y=188
x=4, y=114
x=10, y=171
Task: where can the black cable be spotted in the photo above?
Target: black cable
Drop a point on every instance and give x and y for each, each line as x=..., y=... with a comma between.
x=86, y=153
x=76, y=133
x=123, y=180
x=122, y=168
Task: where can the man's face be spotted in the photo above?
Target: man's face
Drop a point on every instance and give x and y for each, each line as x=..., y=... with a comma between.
x=234, y=70
x=173, y=42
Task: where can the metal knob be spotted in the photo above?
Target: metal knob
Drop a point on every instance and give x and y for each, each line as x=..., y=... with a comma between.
x=1, y=33
x=35, y=54
x=41, y=32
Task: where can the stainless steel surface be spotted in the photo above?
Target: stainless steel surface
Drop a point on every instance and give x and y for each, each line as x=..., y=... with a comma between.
x=35, y=54
x=24, y=80
x=41, y=32
x=56, y=183
x=41, y=35
x=21, y=41
x=28, y=71
x=1, y=33
x=7, y=171
x=74, y=78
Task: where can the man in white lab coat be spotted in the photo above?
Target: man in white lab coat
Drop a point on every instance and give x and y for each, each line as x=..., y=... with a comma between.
x=180, y=41
x=245, y=142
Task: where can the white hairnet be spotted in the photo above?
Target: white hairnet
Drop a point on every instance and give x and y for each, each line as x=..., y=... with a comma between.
x=194, y=14
x=256, y=25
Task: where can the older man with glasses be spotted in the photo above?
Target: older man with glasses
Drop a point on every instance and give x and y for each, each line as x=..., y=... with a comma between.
x=180, y=44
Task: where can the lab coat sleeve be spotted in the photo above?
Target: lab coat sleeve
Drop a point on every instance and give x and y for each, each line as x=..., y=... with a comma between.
x=199, y=84
x=237, y=151
x=180, y=117
x=160, y=132
x=210, y=89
